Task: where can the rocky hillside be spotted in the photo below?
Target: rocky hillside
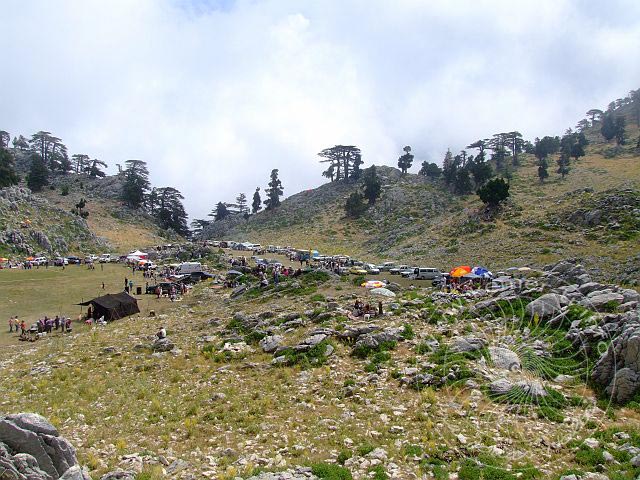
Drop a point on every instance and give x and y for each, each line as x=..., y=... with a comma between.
x=591, y=215
x=30, y=224
x=56, y=230
x=282, y=383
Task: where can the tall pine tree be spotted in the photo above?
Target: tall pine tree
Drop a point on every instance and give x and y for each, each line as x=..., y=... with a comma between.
x=274, y=192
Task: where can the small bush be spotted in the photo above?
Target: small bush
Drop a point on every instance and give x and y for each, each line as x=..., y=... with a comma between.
x=317, y=298
x=407, y=332
x=64, y=191
x=328, y=471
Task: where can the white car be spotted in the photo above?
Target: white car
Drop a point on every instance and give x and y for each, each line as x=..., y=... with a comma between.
x=371, y=269
x=40, y=261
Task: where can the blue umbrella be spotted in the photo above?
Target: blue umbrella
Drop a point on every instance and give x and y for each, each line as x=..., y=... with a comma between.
x=482, y=272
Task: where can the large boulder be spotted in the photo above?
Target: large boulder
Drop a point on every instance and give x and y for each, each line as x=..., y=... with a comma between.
x=600, y=301
x=270, y=343
x=504, y=358
x=162, y=345
x=546, y=306
x=31, y=449
x=618, y=369
x=466, y=344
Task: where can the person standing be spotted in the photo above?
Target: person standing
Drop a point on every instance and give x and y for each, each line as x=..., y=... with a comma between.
x=130, y=287
x=23, y=327
x=11, y=325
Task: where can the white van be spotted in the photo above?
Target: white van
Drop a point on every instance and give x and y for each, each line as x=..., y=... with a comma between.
x=186, y=268
x=39, y=261
x=426, y=273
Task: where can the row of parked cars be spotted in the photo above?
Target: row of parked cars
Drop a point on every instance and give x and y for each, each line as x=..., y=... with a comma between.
x=414, y=273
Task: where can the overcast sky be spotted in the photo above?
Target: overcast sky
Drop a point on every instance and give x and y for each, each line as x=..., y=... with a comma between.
x=213, y=94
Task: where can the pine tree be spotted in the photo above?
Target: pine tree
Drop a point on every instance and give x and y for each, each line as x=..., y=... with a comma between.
x=274, y=192
x=542, y=169
x=170, y=212
x=257, y=201
x=355, y=206
x=221, y=212
x=563, y=164
x=430, y=170
x=136, y=183
x=620, y=130
x=463, y=182
x=494, y=192
x=38, y=174
x=608, y=128
x=8, y=174
x=372, y=186
x=241, y=204
x=405, y=161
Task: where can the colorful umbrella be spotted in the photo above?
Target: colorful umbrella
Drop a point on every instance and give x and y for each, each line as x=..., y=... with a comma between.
x=460, y=271
x=30, y=258
x=482, y=272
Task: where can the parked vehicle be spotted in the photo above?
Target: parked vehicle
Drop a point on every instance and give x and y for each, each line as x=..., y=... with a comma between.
x=343, y=271
x=40, y=261
x=60, y=261
x=73, y=260
x=397, y=270
x=108, y=257
x=407, y=272
x=189, y=267
x=164, y=286
x=371, y=269
x=387, y=266
x=426, y=273
x=357, y=271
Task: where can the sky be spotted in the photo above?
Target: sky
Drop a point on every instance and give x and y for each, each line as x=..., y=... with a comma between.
x=214, y=94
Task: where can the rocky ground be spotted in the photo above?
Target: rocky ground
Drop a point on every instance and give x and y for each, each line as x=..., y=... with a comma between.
x=539, y=381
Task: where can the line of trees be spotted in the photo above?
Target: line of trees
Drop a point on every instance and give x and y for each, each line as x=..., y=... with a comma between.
x=164, y=204
x=222, y=210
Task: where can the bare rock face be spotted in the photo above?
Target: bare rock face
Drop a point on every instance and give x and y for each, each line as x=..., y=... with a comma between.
x=618, y=370
x=31, y=449
x=546, y=306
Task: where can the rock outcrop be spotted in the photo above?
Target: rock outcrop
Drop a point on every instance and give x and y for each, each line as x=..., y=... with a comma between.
x=32, y=449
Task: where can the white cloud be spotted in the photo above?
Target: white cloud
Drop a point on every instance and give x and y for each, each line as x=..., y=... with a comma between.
x=214, y=94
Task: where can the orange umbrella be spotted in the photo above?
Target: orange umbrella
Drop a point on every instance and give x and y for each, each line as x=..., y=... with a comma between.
x=30, y=258
x=460, y=271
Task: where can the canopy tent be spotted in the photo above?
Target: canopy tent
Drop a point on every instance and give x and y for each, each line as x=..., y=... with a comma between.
x=137, y=255
x=113, y=306
x=460, y=271
x=482, y=272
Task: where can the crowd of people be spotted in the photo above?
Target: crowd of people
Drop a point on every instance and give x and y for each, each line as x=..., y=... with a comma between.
x=43, y=326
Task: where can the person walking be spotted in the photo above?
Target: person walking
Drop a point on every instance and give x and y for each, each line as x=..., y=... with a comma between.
x=11, y=325
x=23, y=327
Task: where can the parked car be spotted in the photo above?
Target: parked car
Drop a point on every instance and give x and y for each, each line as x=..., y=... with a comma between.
x=60, y=261
x=397, y=270
x=357, y=271
x=343, y=271
x=426, y=273
x=164, y=286
x=40, y=261
x=407, y=272
x=371, y=269
x=73, y=260
x=387, y=266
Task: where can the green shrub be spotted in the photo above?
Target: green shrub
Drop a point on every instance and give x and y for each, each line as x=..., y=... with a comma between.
x=329, y=471
x=365, y=449
x=343, y=456
x=364, y=351
x=379, y=473
x=317, y=298
x=412, y=450
x=407, y=332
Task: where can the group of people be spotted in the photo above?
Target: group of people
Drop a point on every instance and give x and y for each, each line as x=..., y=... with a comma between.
x=361, y=309
x=43, y=326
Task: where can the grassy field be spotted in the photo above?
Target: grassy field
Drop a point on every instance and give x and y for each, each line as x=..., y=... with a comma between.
x=31, y=294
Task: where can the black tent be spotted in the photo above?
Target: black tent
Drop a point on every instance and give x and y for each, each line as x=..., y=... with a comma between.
x=113, y=306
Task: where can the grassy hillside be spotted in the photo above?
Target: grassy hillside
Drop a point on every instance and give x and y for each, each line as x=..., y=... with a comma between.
x=420, y=222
